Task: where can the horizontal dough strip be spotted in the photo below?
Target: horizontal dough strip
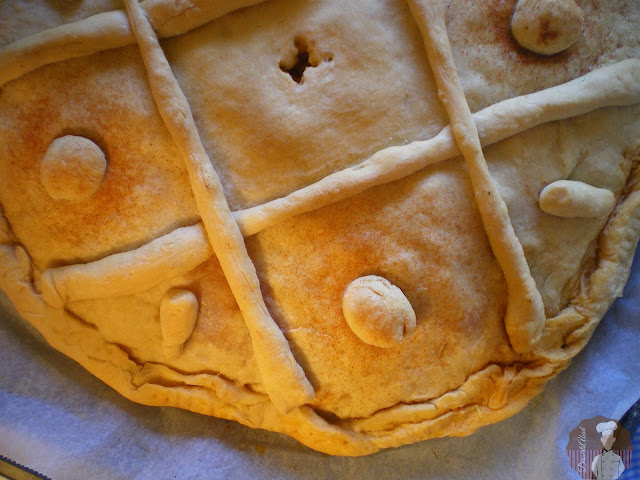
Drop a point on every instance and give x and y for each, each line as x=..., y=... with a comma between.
x=614, y=85
x=185, y=248
x=129, y=272
x=107, y=30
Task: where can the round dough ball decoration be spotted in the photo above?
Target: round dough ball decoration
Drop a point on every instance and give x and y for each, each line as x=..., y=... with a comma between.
x=573, y=199
x=72, y=168
x=547, y=27
x=378, y=312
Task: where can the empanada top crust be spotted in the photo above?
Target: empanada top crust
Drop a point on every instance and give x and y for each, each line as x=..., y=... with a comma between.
x=367, y=98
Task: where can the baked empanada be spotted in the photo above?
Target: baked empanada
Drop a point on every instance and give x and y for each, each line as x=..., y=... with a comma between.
x=360, y=224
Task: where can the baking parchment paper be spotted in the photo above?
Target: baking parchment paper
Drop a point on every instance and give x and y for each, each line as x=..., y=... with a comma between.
x=61, y=421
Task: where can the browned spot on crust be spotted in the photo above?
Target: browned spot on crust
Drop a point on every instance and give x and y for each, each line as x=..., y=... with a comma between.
x=546, y=35
x=129, y=208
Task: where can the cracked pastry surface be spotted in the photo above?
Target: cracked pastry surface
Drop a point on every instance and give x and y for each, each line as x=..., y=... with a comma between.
x=329, y=137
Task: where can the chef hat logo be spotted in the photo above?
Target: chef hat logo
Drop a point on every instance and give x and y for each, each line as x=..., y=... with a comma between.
x=607, y=428
x=596, y=444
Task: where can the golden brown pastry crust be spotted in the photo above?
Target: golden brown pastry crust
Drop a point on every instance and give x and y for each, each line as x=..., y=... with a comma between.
x=407, y=213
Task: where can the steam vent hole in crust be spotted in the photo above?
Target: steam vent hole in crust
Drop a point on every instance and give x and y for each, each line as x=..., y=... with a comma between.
x=304, y=56
x=72, y=168
x=378, y=312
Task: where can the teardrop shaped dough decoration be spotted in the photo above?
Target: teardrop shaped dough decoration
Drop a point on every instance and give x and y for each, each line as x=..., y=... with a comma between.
x=378, y=312
x=72, y=168
x=547, y=26
x=572, y=199
x=178, y=315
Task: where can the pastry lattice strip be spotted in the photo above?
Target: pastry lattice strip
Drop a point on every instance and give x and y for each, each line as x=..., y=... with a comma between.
x=106, y=31
x=283, y=378
x=525, y=317
x=613, y=85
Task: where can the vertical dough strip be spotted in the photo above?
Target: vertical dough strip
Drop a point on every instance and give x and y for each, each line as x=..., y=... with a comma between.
x=525, y=318
x=283, y=378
